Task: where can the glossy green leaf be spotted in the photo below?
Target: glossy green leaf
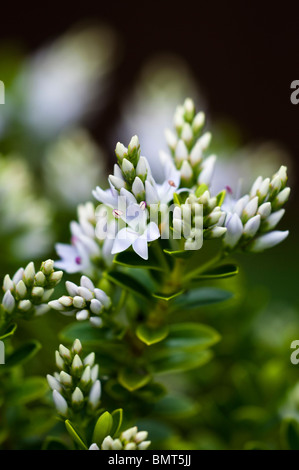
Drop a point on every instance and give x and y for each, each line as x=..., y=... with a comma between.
x=102, y=428
x=9, y=331
x=220, y=197
x=290, y=433
x=117, y=416
x=23, y=354
x=179, y=253
x=175, y=406
x=168, y=361
x=52, y=443
x=221, y=272
x=132, y=260
x=33, y=388
x=201, y=189
x=127, y=282
x=133, y=379
x=150, y=335
x=196, y=298
x=75, y=435
x=191, y=336
x=167, y=297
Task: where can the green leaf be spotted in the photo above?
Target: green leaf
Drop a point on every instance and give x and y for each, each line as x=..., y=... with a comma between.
x=75, y=435
x=175, y=406
x=191, y=336
x=127, y=282
x=290, y=433
x=177, y=199
x=150, y=335
x=117, y=416
x=102, y=428
x=196, y=298
x=133, y=379
x=179, y=253
x=10, y=330
x=221, y=272
x=52, y=443
x=23, y=354
x=167, y=297
x=220, y=197
x=201, y=189
x=169, y=361
x=130, y=259
x=33, y=388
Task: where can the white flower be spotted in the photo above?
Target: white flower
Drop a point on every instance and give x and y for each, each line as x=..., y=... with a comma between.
x=268, y=240
x=137, y=234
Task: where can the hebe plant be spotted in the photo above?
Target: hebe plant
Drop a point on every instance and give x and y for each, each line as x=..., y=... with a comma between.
x=134, y=306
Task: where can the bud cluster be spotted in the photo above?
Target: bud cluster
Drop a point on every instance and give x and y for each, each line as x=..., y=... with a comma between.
x=188, y=145
x=199, y=217
x=84, y=301
x=254, y=216
x=76, y=387
x=28, y=292
x=131, y=439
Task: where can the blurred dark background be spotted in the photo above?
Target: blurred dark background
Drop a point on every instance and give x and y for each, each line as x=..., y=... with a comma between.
x=245, y=55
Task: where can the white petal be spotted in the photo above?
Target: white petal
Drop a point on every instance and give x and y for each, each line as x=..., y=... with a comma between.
x=140, y=247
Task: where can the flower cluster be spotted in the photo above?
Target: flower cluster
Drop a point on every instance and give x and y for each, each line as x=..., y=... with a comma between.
x=199, y=217
x=76, y=387
x=28, y=292
x=188, y=144
x=131, y=439
x=251, y=219
x=85, y=301
x=86, y=251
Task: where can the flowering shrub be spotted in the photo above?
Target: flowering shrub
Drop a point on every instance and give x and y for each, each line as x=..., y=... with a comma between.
x=145, y=253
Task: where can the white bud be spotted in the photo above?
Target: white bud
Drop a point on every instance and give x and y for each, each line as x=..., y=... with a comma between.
x=186, y=171
x=207, y=171
x=18, y=275
x=29, y=273
x=204, y=140
x=53, y=383
x=8, y=302
x=82, y=315
x=251, y=208
x=268, y=240
x=189, y=107
x=234, y=231
x=56, y=277
x=256, y=186
x=60, y=403
x=130, y=446
x=252, y=226
x=59, y=361
x=282, y=174
x=71, y=288
x=65, y=379
x=7, y=283
x=66, y=301
x=263, y=189
x=107, y=443
x=94, y=447
x=97, y=322
x=264, y=210
x=77, y=364
x=77, y=346
x=89, y=360
x=129, y=433
x=127, y=167
x=37, y=291
x=215, y=232
x=196, y=154
x=138, y=187
x=95, y=394
x=25, y=305
x=47, y=295
x=144, y=445
x=141, y=436
x=198, y=122
x=187, y=134
x=282, y=197
x=240, y=204
x=64, y=352
x=273, y=219
x=55, y=304
x=47, y=266
x=118, y=183
x=78, y=302
x=141, y=168
x=181, y=151
x=77, y=396
x=40, y=309
x=85, y=293
x=96, y=306
x=152, y=196
x=120, y=150
x=94, y=372
x=21, y=289
x=40, y=278
x=134, y=143
x=275, y=184
x=171, y=139
x=86, y=376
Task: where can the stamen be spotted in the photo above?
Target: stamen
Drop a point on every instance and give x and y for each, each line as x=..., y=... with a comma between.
x=78, y=260
x=171, y=183
x=229, y=189
x=142, y=205
x=117, y=213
